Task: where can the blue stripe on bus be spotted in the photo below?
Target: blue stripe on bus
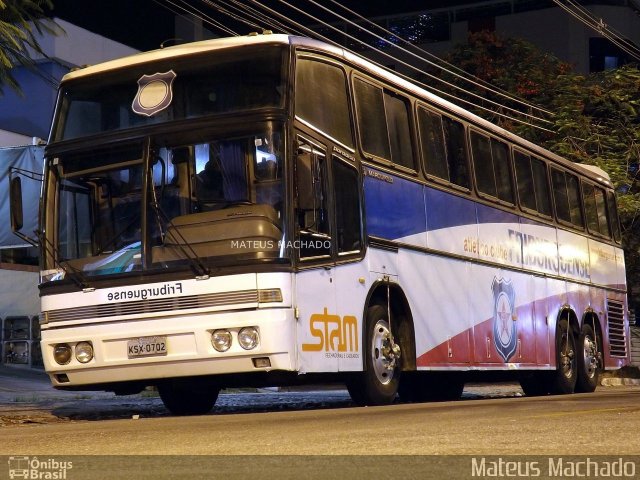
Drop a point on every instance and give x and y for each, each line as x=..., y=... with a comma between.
x=394, y=206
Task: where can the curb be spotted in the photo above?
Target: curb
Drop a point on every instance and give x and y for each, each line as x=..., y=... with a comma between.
x=618, y=382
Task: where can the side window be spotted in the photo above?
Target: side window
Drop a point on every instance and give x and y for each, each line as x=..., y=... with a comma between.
x=383, y=118
x=566, y=194
x=483, y=164
x=397, y=109
x=454, y=138
x=322, y=99
x=371, y=119
x=601, y=209
x=533, y=186
x=524, y=179
x=492, y=166
x=312, y=202
x=432, y=140
x=560, y=195
x=590, y=210
x=347, y=204
x=613, y=216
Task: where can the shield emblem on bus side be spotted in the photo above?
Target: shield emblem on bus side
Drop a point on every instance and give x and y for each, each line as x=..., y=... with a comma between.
x=155, y=93
x=505, y=332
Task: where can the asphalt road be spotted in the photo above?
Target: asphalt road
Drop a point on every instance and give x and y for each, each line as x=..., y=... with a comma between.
x=603, y=423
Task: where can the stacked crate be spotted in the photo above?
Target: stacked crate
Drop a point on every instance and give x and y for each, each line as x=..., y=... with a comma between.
x=21, y=341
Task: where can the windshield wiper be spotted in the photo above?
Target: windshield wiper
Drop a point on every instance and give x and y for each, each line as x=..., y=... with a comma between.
x=195, y=262
x=70, y=271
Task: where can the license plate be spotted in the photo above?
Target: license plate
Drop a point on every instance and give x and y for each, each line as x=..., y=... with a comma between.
x=147, y=347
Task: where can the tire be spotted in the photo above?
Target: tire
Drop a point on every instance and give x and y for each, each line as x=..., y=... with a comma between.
x=589, y=366
x=188, y=398
x=378, y=383
x=430, y=387
x=535, y=384
x=566, y=374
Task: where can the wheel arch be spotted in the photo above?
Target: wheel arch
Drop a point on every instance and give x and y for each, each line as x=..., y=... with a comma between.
x=402, y=319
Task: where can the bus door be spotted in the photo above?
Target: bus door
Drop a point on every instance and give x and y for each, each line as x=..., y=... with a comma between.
x=329, y=292
x=315, y=300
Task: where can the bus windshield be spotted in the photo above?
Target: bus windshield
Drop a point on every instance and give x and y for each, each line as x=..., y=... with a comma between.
x=202, y=85
x=208, y=201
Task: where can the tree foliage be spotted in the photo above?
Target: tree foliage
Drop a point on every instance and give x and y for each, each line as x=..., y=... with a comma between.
x=21, y=21
x=595, y=119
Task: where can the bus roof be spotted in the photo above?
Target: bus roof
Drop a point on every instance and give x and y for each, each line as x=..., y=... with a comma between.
x=365, y=65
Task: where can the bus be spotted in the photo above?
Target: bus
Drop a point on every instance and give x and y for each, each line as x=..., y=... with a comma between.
x=272, y=210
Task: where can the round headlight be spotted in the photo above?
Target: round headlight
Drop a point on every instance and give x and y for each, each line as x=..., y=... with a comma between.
x=62, y=353
x=248, y=338
x=221, y=340
x=84, y=352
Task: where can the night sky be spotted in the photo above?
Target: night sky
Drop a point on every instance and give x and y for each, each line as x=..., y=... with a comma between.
x=145, y=24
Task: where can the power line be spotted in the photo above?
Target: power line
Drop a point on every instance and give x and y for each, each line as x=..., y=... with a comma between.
x=458, y=72
x=600, y=27
x=427, y=87
x=199, y=15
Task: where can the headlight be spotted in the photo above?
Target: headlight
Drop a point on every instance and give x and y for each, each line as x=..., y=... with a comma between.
x=84, y=352
x=62, y=353
x=248, y=338
x=221, y=340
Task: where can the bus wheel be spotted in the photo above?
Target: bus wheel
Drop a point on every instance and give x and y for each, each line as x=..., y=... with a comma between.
x=566, y=373
x=535, y=384
x=588, y=361
x=378, y=384
x=188, y=398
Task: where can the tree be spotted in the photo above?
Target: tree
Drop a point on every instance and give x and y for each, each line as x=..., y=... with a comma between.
x=20, y=23
x=595, y=118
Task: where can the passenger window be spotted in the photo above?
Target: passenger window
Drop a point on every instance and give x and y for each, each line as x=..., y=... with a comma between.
x=524, y=180
x=347, y=199
x=573, y=193
x=590, y=209
x=613, y=216
x=601, y=209
x=322, y=99
x=483, y=164
x=371, y=119
x=383, y=118
x=432, y=140
x=502, y=168
x=454, y=138
x=533, y=185
x=566, y=194
x=397, y=109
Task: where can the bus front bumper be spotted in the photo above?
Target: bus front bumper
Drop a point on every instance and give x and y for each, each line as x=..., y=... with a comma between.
x=188, y=348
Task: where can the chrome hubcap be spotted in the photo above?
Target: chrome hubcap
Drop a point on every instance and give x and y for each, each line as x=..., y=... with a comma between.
x=590, y=357
x=385, y=352
x=567, y=356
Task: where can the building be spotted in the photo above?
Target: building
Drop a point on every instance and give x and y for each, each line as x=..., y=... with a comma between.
x=24, y=122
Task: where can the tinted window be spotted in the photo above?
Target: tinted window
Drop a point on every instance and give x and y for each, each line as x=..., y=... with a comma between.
x=454, y=137
x=590, y=209
x=483, y=164
x=601, y=209
x=573, y=192
x=371, y=119
x=613, y=215
x=524, y=179
x=432, y=139
x=397, y=109
x=322, y=100
x=566, y=194
x=502, y=169
x=347, y=205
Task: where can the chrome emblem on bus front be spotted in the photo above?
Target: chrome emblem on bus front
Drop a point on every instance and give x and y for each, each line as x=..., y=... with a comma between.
x=155, y=93
x=505, y=333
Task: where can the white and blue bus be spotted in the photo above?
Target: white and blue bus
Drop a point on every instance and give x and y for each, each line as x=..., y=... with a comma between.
x=269, y=210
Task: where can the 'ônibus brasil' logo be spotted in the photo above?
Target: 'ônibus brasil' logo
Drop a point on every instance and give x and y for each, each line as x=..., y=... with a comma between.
x=505, y=334
x=155, y=93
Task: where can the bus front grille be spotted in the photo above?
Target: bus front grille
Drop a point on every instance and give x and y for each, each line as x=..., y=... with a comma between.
x=242, y=297
x=617, y=332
